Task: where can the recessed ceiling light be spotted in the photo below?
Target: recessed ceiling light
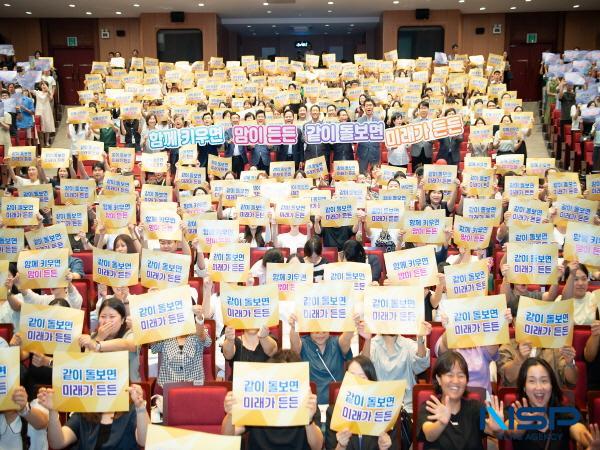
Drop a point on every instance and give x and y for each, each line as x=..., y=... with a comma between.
x=200, y=4
x=7, y=4
x=118, y=13
x=274, y=26
x=71, y=5
x=482, y=8
x=326, y=24
x=28, y=12
x=351, y=24
x=330, y=3
x=329, y=11
x=269, y=12
x=89, y=13
x=395, y=2
x=136, y=5
x=265, y=3
x=513, y=7
x=248, y=26
x=527, y=1
x=461, y=1
x=576, y=6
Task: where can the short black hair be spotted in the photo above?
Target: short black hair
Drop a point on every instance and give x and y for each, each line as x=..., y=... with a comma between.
x=314, y=246
x=99, y=165
x=444, y=365
x=59, y=302
x=354, y=251
x=260, y=111
x=273, y=255
x=285, y=356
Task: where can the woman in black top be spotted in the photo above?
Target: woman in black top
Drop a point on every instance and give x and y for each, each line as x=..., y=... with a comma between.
x=538, y=387
x=254, y=345
x=132, y=130
x=313, y=250
x=449, y=420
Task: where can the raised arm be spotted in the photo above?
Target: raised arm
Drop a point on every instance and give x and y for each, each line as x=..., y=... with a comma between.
x=295, y=341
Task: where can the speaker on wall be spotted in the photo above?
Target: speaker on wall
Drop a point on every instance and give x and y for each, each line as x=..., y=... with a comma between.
x=120, y=33
x=479, y=30
x=422, y=14
x=177, y=16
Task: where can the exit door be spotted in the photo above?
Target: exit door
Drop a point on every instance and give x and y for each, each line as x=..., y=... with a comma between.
x=524, y=62
x=72, y=64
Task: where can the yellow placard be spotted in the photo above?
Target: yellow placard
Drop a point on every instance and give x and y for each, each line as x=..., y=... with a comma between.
x=4, y=274
x=338, y=212
x=115, y=269
x=91, y=381
x=426, y=227
x=12, y=241
x=20, y=211
x=249, y=307
x=571, y=209
x=22, y=156
x=470, y=234
x=161, y=220
x=481, y=134
x=509, y=163
x=189, y=178
x=116, y=212
x=509, y=131
x=218, y=165
x=316, y=167
x=156, y=193
x=131, y=111
x=478, y=162
x=293, y=211
x=345, y=170
x=210, y=232
x=367, y=408
x=116, y=184
x=440, y=178
x=538, y=233
x=582, y=243
x=160, y=315
x=46, y=238
x=538, y=166
x=467, y=280
x=252, y=211
x=46, y=329
x=155, y=162
x=45, y=192
x=563, y=184
x=188, y=154
x=197, y=204
x=234, y=189
x=159, y=437
x=289, y=278
x=270, y=394
x=282, y=170
x=55, y=158
x=521, y=187
x=415, y=266
x=479, y=182
x=122, y=158
x=101, y=119
x=386, y=173
x=394, y=309
x=592, y=183
x=527, y=211
x=90, y=151
x=476, y=321
x=317, y=311
x=78, y=192
x=229, y=262
x=545, y=324
x=10, y=373
x=78, y=114
x=191, y=223
x=530, y=264
x=384, y=214
x=357, y=273
x=351, y=189
x=316, y=197
x=164, y=270
x=39, y=269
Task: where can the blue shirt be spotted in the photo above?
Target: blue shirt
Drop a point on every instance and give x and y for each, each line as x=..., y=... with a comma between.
x=26, y=119
x=321, y=364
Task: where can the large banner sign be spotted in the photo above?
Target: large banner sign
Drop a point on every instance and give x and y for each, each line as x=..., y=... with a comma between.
x=476, y=321
x=394, y=309
x=247, y=307
x=429, y=130
x=544, y=324
x=365, y=407
x=343, y=132
x=160, y=315
x=270, y=394
x=46, y=329
x=275, y=134
x=177, y=137
x=91, y=382
x=327, y=306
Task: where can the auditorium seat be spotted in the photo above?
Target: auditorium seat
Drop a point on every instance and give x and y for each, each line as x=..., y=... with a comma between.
x=197, y=408
x=593, y=401
x=286, y=229
x=88, y=261
x=378, y=251
x=329, y=253
x=436, y=332
x=6, y=331
x=257, y=253
x=334, y=389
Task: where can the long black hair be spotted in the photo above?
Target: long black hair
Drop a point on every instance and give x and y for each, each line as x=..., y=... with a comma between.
x=367, y=366
x=260, y=241
x=119, y=307
x=555, y=397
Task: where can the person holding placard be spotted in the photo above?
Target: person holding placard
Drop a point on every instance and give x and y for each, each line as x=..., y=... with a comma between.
x=122, y=430
x=77, y=132
x=70, y=293
x=421, y=152
x=182, y=356
x=576, y=287
x=291, y=152
x=448, y=420
x=307, y=437
x=293, y=239
x=398, y=156
x=43, y=108
x=336, y=236
x=505, y=146
x=208, y=149
x=538, y=387
x=254, y=345
x=343, y=151
x=367, y=152
x=362, y=367
x=132, y=129
x=237, y=153
x=313, y=251
x=25, y=120
x=98, y=171
x=450, y=146
x=432, y=200
x=33, y=174
x=479, y=149
x=112, y=335
x=326, y=355
x=353, y=251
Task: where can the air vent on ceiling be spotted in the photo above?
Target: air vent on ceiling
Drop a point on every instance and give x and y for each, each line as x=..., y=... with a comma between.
x=300, y=29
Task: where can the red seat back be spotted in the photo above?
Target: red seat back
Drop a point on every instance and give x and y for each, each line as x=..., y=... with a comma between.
x=88, y=261
x=593, y=398
x=6, y=331
x=378, y=251
x=334, y=390
x=198, y=408
x=256, y=253
x=581, y=333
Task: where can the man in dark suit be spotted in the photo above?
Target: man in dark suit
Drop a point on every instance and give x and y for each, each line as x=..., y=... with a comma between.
x=422, y=152
x=368, y=152
x=294, y=152
x=261, y=155
x=315, y=150
x=208, y=149
x=237, y=153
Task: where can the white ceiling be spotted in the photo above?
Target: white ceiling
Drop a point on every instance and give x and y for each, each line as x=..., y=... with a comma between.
x=298, y=9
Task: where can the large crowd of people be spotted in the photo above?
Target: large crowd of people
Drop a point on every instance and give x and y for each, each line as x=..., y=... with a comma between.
x=162, y=96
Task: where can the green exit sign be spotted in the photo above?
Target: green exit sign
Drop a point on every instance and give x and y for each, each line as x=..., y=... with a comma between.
x=531, y=38
x=71, y=41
